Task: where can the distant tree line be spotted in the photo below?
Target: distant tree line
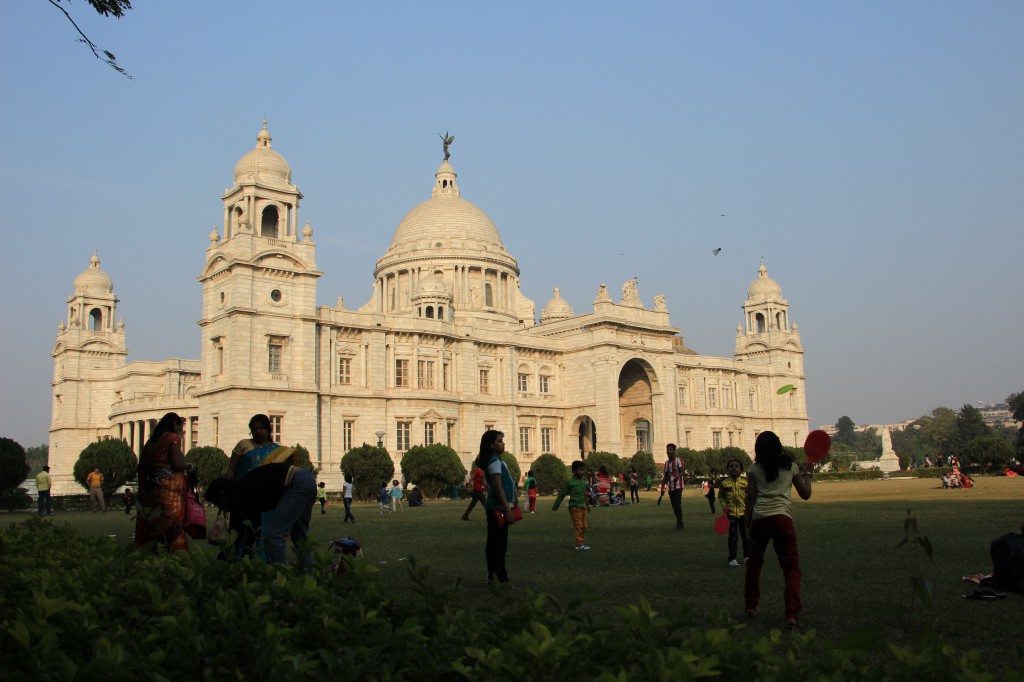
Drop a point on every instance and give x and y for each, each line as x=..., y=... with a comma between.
x=937, y=437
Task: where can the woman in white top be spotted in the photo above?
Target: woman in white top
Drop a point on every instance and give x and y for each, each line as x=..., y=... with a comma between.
x=346, y=496
x=769, y=518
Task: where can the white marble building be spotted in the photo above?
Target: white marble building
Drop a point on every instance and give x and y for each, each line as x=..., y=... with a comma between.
x=446, y=347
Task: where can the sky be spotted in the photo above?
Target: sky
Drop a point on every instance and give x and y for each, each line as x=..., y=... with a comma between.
x=870, y=152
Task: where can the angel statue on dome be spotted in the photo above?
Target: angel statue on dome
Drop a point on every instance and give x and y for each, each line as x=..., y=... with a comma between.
x=447, y=140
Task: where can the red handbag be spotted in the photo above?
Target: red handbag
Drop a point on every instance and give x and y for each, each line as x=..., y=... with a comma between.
x=517, y=515
x=195, y=515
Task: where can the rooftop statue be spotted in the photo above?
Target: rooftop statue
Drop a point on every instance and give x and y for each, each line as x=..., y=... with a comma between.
x=447, y=140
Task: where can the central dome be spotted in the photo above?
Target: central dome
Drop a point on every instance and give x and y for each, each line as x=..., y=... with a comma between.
x=446, y=229
x=444, y=217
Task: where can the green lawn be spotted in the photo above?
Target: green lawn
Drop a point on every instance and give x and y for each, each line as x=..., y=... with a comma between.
x=847, y=534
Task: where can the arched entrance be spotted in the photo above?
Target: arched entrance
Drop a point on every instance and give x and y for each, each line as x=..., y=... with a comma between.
x=636, y=409
x=586, y=432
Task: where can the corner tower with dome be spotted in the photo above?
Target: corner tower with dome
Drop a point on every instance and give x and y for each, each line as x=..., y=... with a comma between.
x=444, y=347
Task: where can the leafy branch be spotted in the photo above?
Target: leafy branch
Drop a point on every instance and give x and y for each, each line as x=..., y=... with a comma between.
x=115, y=8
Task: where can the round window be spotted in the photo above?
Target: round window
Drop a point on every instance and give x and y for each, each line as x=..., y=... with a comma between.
x=275, y=295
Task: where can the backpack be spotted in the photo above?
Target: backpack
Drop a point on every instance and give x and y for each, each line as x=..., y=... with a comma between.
x=342, y=548
x=1008, y=562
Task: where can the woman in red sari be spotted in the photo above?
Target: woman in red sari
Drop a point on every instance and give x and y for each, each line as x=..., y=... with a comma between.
x=162, y=486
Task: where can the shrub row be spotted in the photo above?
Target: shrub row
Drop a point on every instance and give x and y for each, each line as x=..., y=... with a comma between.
x=86, y=608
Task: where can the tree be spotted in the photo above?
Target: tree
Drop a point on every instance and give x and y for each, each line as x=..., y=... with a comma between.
x=868, y=444
x=105, y=8
x=970, y=424
x=645, y=466
x=609, y=460
x=695, y=463
x=987, y=452
x=717, y=464
x=550, y=473
x=939, y=429
x=368, y=465
x=846, y=433
x=13, y=467
x=37, y=457
x=303, y=461
x=513, y=466
x=115, y=460
x=210, y=463
x=1016, y=403
x=432, y=468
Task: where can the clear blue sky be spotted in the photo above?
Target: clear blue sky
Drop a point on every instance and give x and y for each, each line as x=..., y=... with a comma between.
x=871, y=152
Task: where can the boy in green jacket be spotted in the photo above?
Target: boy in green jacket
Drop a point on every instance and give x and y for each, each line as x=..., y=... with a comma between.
x=576, y=489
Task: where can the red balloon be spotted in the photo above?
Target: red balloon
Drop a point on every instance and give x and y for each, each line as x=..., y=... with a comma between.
x=817, y=445
x=722, y=524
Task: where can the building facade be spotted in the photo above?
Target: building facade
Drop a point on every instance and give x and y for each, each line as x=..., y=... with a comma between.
x=446, y=347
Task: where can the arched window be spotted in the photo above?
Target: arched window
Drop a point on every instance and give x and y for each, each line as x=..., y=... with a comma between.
x=488, y=296
x=95, y=320
x=440, y=312
x=268, y=227
x=759, y=323
x=430, y=312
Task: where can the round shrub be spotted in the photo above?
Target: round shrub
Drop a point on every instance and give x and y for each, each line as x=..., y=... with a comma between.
x=13, y=467
x=432, y=468
x=550, y=473
x=115, y=460
x=368, y=465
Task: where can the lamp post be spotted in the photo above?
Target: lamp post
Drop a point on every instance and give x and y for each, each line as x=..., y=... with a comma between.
x=380, y=437
x=917, y=436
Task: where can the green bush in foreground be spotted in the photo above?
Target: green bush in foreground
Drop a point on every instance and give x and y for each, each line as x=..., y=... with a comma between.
x=85, y=608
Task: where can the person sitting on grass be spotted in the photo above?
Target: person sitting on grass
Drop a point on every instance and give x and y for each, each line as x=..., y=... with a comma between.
x=576, y=489
x=416, y=498
x=287, y=492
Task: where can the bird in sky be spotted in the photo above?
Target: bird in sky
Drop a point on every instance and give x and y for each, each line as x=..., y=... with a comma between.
x=716, y=251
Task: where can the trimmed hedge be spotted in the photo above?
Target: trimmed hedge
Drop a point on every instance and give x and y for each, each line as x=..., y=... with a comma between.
x=87, y=608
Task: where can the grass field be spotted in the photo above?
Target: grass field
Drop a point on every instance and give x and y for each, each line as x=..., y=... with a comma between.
x=848, y=532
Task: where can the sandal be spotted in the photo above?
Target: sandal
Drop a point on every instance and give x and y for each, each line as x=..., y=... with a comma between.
x=985, y=594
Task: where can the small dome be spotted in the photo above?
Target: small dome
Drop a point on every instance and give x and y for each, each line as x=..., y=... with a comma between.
x=263, y=164
x=93, y=280
x=431, y=287
x=556, y=309
x=764, y=287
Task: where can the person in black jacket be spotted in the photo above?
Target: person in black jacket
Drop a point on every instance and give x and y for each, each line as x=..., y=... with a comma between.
x=285, y=491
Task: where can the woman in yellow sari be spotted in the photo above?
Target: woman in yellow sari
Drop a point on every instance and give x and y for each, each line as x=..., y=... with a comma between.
x=253, y=452
x=162, y=485
x=247, y=455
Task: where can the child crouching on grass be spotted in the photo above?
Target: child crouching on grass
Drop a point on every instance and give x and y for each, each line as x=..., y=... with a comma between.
x=576, y=489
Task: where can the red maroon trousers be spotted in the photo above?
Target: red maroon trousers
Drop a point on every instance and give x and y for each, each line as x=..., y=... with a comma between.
x=780, y=532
